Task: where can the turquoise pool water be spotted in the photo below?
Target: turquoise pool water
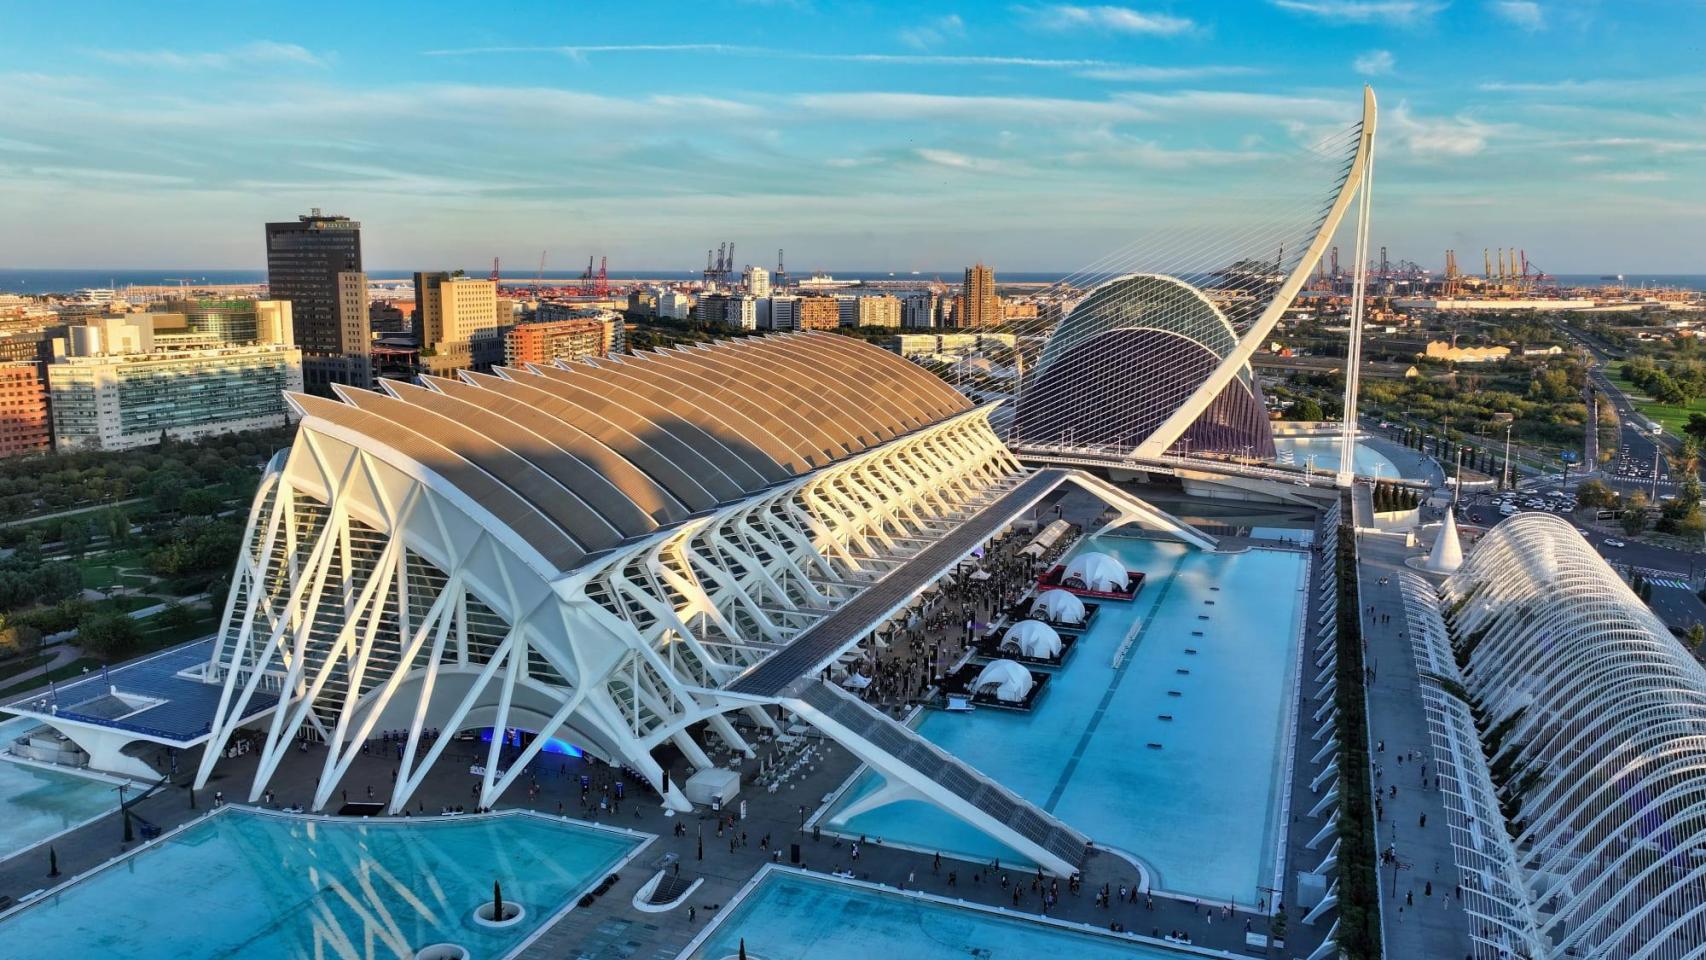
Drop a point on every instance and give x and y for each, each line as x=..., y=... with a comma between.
x=789, y=916
x=36, y=803
x=253, y=885
x=1325, y=450
x=1199, y=810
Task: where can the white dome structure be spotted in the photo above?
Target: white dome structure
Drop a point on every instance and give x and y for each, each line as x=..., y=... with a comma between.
x=1010, y=681
x=1032, y=638
x=1096, y=571
x=1059, y=606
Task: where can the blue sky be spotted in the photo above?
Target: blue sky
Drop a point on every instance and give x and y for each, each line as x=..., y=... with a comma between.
x=857, y=135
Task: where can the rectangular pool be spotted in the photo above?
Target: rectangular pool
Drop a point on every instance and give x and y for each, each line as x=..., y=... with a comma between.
x=37, y=801
x=1199, y=808
x=257, y=885
x=788, y=916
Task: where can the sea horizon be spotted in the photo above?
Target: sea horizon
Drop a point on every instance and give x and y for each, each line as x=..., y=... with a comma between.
x=49, y=280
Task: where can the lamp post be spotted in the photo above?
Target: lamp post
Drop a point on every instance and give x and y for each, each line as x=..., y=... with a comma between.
x=1505, y=483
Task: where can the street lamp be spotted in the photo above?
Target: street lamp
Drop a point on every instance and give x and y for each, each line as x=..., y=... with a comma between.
x=1506, y=478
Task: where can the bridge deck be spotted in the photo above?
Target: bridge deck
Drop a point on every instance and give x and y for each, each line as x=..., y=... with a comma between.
x=823, y=641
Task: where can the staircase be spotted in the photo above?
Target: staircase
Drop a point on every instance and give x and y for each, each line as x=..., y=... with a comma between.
x=899, y=753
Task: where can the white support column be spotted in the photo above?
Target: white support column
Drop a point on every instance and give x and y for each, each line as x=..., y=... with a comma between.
x=1353, y=355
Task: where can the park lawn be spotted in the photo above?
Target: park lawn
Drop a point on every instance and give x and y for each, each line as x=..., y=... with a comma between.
x=156, y=635
x=1673, y=417
x=103, y=571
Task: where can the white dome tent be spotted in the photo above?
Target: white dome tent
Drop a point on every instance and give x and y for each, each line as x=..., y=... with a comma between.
x=1058, y=606
x=1010, y=681
x=1096, y=571
x=1031, y=638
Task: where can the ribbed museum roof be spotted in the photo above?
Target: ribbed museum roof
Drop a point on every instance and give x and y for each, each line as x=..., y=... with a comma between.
x=580, y=457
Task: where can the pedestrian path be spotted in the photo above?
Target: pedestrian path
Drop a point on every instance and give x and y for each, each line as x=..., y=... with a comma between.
x=1420, y=915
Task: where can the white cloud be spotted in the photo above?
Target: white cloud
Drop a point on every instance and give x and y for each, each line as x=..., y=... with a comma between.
x=926, y=35
x=1108, y=18
x=1374, y=63
x=262, y=52
x=1398, y=12
x=1526, y=14
x=1635, y=176
x=954, y=160
x=1433, y=138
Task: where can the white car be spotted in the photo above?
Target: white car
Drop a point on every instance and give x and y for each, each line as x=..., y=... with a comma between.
x=1613, y=543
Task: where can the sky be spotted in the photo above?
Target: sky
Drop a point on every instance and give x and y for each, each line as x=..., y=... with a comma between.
x=858, y=135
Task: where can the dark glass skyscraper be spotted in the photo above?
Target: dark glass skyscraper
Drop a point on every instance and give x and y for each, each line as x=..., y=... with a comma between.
x=315, y=263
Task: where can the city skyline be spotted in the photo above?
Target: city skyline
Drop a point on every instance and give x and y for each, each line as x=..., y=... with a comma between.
x=1035, y=137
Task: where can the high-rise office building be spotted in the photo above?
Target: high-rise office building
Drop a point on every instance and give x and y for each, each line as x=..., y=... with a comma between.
x=314, y=262
x=758, y=281
x=459, y=321
x=980, y=307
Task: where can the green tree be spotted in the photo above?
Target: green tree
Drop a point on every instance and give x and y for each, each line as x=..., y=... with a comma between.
x=1635, y=513
x=1305, y=409
x=1696, y=636
x=1696, y=426
x=74, y=536
x=1594, y=493
x=112, y=636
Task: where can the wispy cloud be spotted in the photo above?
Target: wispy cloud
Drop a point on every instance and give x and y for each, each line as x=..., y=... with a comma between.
x=1397, y=12
x=1634, y=176
x=1108, y=18
x=1434, y=138
x=900, y=107
x=1526, y=14
x=261, y=52
x=955, y=160
x=1151, y=74
x=1374, y=63
x=934, y=32
x=902, y=59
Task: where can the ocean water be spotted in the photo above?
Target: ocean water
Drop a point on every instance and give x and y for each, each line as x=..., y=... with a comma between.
x=43, y=280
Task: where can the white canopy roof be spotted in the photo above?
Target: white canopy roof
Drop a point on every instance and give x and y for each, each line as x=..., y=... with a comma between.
x=1031, y=638
x=1010, y=679
x=1059, y=606
x=1097, y=571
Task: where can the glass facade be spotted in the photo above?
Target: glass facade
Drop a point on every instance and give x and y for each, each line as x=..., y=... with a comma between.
x=114, y=403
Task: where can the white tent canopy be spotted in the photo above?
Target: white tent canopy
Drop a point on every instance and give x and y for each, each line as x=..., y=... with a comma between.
x=1031, y=638
x=1009, y=678
x=1059, y=606
x=1097, y=571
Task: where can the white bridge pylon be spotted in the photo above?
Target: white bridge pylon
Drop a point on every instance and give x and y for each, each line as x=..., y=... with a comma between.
x=1356, y=183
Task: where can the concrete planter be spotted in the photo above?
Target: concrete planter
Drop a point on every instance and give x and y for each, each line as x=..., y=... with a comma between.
x=513, y=912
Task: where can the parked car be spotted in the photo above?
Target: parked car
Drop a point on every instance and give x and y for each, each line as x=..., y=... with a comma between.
x=1612, y=542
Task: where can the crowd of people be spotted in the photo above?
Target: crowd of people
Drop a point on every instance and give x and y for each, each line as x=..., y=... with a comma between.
x=909, y=659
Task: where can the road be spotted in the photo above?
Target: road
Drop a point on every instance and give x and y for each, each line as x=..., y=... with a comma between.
x=1639, y=462
x=1649, y=559
x=74, y=511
